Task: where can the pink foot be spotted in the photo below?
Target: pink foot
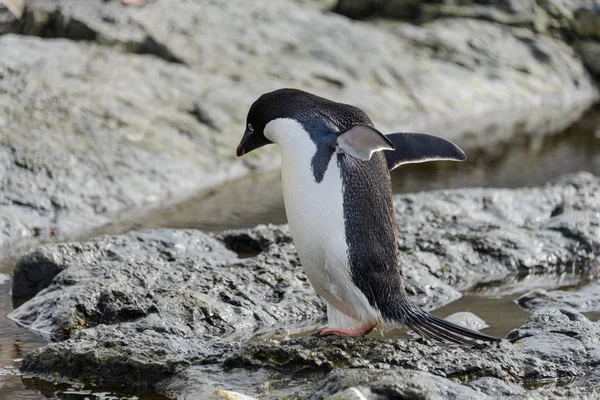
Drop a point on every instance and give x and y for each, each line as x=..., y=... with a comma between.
x=133, y=3
x=358, y=330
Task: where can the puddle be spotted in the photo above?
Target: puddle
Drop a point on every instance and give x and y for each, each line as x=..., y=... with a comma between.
x=74, y=392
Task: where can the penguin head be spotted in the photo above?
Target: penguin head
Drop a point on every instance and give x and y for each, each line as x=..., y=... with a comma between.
x=284, y=115
x=279, y=104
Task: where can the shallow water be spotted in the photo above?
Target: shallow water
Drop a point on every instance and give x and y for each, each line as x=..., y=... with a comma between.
x=525, y=161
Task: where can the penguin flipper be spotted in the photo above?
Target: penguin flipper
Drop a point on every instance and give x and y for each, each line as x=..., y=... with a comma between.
x=419, y=147
x=361, y=141
x=432, y=327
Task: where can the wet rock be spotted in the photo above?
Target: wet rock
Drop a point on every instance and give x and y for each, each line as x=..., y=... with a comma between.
x=181, y=280
x=197, y=364
x=495, y=387
x=253, y=241
x=590, y=53
x=447, y=239
x=565, y=340
x=583, y=299
x=363, y=384
x=180, y=313
x=35, y=271
x=469, y=236
x=468, y=320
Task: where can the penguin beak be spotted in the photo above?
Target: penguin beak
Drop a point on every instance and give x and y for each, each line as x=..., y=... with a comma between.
x=251, y=141
x=240, y=150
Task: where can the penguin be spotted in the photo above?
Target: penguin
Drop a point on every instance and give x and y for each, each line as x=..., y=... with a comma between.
x=338, y=199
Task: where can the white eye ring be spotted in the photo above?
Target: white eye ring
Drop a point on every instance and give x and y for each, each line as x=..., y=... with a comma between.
x=250, y=128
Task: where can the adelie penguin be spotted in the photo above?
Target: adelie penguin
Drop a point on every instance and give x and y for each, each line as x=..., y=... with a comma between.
x=338, y=201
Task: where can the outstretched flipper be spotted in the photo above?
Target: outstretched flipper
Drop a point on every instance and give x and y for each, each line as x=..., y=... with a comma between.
x=432, y=327
x=412, y=148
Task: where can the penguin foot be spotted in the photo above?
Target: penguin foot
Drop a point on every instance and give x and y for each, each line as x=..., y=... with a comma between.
x=358, y=330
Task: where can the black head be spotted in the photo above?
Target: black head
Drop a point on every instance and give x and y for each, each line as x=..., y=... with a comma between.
x=311, y=111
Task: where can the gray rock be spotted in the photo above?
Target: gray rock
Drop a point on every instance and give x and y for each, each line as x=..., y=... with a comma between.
x=197, y=364
x=398, y=383
x=145, y=104
x=566, y=17
x=162, y=276
x=584, y=299
x=447, y=239
x=179, y=313
x=108, y=137
x=495, y=387
x=560, y=337
x=35, y=271
x=471, y=236
x=468, y=320
x=590, y=53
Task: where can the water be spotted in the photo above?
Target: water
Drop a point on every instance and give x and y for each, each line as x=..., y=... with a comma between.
x=525, y=161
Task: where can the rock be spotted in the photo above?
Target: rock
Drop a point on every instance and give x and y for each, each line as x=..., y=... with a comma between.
x=470, y=236
x=162, y=276
x=587, y=20
x=583, y=299
x=590, y=53
x=324, y=5
x=197, y=364
x=447, y=239
x=35, y=271
x=565, y=17
x=178, y=312
x=8, y=21
x=361, y=384
x=108, y=137
x=468, y=320
x=137, y=113
x=559, y=337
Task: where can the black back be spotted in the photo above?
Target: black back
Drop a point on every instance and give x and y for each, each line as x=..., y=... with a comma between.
x=371, y=231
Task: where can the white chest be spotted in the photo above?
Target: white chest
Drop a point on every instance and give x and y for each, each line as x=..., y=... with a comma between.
x=316, y=218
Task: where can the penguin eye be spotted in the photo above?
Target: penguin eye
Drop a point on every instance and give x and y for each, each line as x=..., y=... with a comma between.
x=250, y=128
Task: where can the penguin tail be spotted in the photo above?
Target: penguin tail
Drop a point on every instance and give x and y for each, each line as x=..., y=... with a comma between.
x=432, y=327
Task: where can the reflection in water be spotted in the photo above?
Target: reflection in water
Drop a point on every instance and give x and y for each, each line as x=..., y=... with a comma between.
x=80, y=392
x=500, y=313
x=513, y=285
x=15, y=342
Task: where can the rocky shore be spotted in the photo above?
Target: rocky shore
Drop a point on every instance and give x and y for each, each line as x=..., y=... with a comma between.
x=189, y=314
x=106, y=108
